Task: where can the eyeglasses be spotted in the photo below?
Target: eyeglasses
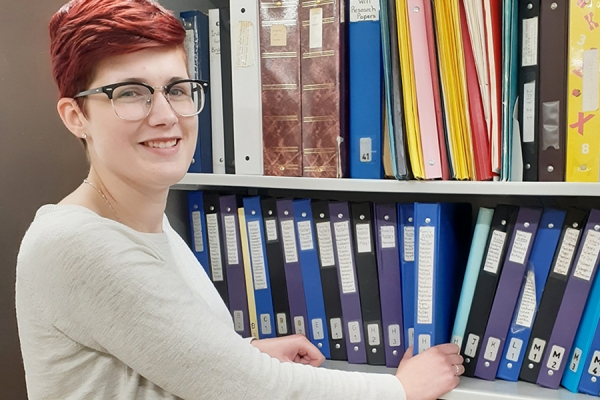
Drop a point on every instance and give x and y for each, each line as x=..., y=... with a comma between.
x=132, y=101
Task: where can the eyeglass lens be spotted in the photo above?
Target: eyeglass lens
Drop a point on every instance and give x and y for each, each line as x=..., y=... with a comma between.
x=133, y=102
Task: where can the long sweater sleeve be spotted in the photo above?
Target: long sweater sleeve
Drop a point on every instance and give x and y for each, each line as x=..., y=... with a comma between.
x=114, y=293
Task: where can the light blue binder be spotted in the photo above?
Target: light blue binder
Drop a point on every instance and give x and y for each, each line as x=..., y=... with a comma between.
x=198, y=228
x=476, y=253
x=311, y=276
x=260, y=267
x=540, y=261
x=365, y=88
x=583, y=371
x=406, y=248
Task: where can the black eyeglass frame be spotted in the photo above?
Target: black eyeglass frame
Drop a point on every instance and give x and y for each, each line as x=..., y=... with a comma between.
x=108, y=90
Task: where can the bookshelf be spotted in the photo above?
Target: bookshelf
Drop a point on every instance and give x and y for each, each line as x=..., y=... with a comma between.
x=558, y=194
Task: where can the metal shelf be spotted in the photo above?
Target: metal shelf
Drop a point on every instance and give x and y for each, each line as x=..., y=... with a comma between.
x=194, y=181
x=477, y=389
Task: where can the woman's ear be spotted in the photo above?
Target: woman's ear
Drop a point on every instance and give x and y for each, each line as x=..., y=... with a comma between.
x=72, y=116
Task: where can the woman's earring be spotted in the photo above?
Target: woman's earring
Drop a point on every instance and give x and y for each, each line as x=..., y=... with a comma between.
x=84, y=136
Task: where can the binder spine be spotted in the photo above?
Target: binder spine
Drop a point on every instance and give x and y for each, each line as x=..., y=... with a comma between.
x=198, y=228
x=311, y=277
x=236, y=283
x=406, y=236
x=260, y=267
x=293, y=269
x=351, y=309
x=218, y=273
x=388, y=268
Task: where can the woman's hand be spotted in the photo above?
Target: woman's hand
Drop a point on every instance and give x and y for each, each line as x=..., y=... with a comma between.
x=432, y=373
x=295, y=348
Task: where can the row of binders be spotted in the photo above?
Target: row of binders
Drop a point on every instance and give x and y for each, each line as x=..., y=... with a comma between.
x=458, y=89
x=519, y=293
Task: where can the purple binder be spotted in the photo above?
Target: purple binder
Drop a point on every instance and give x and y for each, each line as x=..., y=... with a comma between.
x=236, y=281
x=573, y=302
x=351, y=312
x=388, y=268
x=291, y=264
x=507, y=293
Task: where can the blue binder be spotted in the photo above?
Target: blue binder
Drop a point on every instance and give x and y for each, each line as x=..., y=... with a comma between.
x=442, y=240
x=583, y=371
x=198, y=228
x=260, y=267
x=365, y=87
x=540, y=260
x=476, y=253
x=311, y=276
x=406, y=247
x=198, y=22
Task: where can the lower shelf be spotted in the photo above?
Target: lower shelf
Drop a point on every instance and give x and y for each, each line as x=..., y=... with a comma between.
x=477, y=389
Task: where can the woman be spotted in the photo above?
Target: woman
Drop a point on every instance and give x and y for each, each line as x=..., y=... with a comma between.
x=111, y=303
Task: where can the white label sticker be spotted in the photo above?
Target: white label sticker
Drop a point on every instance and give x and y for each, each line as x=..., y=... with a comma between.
x=537, y=350
x=492, y=259
x=588, y=258
x=344, y=253
x=256, y=255
x=337, y=330
x=278, y=33
x=575, y=360
x=366, y=150
x=265, y=324
x=566, y=252
x=354, y=331
x=491, y=349
x=315, y=32
x=282, y=324
x=198, y=238
x=325, y=244
x=394, y=335
x=528, y=303
x=231, y=239
x=363, y=238
x=243, y=39
x=214, y=247
x=425, y=265
x=373, y=334
x=299, y=326
x=555, y=359
x=529, y=112
x=364, y=10
x=317, y=329
x=238, y=320
x=411, y=337
x=305, y=235
x=520, y=246
x=594, y=368
x=424, y=342
x=457, y=340
x=271, y=229
x=514, y=349
x=471, y=345
x=288, y=236
x=530, y=42
x=387, y=234
x=409, y=243
x=190, y=50
x=589, y=85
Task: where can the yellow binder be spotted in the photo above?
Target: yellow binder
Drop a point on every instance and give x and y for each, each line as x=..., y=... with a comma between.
x=248, y=274
x=583, y=121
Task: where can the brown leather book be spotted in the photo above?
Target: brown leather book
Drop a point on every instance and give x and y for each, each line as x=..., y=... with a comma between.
x=324, y=139
x=281, y=98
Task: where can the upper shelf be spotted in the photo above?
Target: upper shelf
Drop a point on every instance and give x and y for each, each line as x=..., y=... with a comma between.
x=194, y=181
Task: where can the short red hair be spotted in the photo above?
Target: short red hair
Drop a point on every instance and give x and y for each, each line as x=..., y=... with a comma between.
x=83, y=32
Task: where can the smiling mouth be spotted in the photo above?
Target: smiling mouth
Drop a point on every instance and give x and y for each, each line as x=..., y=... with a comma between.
x=161, y=144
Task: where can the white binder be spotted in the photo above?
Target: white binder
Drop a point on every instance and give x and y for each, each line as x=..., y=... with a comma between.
x=216, y=93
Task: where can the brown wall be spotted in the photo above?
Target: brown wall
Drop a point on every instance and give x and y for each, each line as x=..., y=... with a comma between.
x=40, y=162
